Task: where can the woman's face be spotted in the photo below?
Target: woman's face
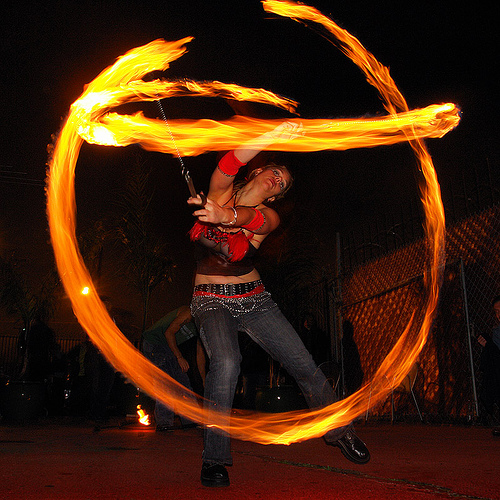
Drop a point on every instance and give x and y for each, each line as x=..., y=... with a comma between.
x=274, y=180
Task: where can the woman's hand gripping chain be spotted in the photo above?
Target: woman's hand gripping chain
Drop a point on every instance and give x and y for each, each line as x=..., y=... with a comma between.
x=211, y=211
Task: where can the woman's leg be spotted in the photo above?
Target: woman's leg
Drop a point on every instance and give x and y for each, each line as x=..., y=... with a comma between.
x=219, y=334
x=273, y=332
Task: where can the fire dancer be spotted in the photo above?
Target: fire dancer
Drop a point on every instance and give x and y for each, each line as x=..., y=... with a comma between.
x=229, y=296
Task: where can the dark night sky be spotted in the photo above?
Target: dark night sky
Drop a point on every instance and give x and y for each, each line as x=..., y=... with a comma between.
x=437, y=51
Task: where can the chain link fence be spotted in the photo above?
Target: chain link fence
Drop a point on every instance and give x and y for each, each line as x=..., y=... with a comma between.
x=368, y=307
x=11, y=352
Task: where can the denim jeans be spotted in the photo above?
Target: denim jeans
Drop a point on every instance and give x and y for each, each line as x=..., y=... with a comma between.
x=219, y=319
x=163, y=357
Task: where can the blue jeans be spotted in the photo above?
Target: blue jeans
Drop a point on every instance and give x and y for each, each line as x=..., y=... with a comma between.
x=219, y=320
x=163, y=357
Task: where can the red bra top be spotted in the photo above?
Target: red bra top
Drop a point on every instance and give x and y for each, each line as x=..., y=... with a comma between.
x=222, y=254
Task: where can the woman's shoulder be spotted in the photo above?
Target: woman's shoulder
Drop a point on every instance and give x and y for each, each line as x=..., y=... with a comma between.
x=265, y=208
x=269, y=212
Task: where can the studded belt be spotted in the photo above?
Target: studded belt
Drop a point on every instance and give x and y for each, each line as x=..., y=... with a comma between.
x=230, y=289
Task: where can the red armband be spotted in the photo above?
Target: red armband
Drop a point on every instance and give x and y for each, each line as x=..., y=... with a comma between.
x=229, y=164
x=257, y=222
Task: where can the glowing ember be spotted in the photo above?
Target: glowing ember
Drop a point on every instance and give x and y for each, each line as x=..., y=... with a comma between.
x=143, y=416
x=90, y=120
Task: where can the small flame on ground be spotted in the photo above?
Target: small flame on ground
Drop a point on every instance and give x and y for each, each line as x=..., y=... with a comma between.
x=90, y=120
x=143, y=416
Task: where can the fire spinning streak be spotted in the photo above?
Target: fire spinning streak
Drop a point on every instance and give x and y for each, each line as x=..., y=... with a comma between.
x=90, y=120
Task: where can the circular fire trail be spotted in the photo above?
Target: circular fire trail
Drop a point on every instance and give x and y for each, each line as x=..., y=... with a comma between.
x=90, y=119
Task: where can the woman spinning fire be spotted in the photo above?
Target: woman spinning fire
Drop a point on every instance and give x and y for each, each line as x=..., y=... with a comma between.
x=229, y=296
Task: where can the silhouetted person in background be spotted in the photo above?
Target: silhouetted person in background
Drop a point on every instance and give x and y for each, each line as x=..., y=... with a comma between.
x=353, y=373
x=160, y=345
x=490, y=366
x=78, y=402
x=315, y=339
x=101, y=377
x=42, y=346
x=255, y=371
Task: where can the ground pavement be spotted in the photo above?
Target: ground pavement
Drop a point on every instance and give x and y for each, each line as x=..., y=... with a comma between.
x=64, y=459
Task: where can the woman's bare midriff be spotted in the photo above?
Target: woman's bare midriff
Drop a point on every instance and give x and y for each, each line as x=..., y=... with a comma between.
x=201, y=279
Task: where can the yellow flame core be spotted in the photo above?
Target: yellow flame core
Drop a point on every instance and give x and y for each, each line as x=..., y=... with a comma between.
x=143, y=416
x=90, y=120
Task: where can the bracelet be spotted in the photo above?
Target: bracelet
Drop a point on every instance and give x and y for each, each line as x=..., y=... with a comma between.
x=233, y=222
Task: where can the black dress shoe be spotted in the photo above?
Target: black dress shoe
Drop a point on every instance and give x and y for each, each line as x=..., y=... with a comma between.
x=214, y=475
x=353, y=448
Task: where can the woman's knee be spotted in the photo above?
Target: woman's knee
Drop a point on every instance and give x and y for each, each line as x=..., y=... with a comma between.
x=226, y=366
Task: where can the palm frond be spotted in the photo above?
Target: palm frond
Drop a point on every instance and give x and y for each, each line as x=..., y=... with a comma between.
x=147, y=263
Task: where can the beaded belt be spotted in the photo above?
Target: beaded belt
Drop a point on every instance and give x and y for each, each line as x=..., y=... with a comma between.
x=230, y=289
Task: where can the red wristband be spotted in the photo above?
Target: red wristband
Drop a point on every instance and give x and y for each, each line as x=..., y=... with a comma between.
x=229, y=164
x=257, y=222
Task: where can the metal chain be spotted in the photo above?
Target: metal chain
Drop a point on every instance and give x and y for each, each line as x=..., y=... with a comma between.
x=162, y=112
x=184, y=171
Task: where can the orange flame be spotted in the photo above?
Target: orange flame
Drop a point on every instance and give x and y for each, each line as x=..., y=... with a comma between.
x=120, y=84
x=90, y=120
x=143, y=416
